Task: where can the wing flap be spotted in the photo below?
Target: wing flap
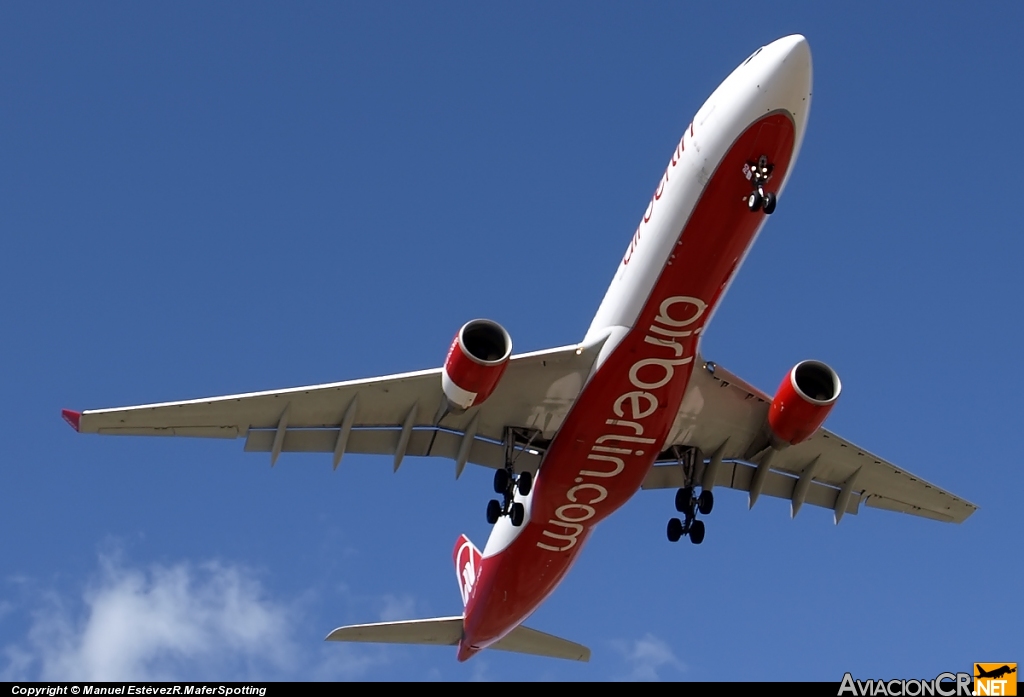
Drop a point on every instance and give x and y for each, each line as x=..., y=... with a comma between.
x=182, y=431
x=423, y=442
x=876, y=501
x=739, y=476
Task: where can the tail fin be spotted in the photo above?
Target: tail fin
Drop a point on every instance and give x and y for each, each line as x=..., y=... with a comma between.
x=467, y=566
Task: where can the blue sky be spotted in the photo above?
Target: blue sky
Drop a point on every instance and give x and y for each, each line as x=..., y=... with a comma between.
x=204, y=199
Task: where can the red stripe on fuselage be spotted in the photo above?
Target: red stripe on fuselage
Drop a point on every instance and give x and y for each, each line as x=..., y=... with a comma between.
x=620, y=422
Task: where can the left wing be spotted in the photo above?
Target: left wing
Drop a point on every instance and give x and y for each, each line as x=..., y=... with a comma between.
x=726, y=417
x=396, y=415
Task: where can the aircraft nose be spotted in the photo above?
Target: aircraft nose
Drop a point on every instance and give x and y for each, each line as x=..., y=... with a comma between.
x=789, y=59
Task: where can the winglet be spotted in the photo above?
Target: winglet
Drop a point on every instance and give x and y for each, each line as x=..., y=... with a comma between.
x=73, y=418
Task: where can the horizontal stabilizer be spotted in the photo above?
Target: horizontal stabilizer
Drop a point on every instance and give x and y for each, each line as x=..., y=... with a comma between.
x=436, y=631
x=446, y=631
x=525, y=640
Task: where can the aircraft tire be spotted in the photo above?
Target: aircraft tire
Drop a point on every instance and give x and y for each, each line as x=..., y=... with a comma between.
x=517, y=514
x=769, y=204
x=493, y=511
x=500, y=481
x=684, y=499
x=697, y=532
x=525, y=483
x=705, y=502
x=753, y=201
x=675, y=529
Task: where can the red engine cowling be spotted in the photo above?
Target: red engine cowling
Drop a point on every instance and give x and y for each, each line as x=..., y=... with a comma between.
x=476, y=361
x=803, y=400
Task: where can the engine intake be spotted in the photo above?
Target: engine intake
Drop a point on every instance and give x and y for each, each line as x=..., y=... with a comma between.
x=476, y=361
x=802, y=402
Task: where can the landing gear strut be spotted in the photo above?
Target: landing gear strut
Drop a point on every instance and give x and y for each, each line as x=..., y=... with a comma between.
x=758, y=173
x=688, y=502
x=507, y=483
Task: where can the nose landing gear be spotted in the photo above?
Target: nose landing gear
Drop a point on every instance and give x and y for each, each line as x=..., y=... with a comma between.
x=758, y=175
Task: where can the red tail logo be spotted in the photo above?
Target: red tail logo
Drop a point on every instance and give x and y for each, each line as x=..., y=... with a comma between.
x=467, y=566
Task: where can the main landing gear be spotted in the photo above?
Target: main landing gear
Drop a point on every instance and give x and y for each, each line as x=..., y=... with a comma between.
x=507, y=483
x=688, y=502
x=689, y=505
x=758, y=175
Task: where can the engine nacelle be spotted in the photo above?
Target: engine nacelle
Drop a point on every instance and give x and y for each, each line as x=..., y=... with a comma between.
x=476, y=361
x=802, y=402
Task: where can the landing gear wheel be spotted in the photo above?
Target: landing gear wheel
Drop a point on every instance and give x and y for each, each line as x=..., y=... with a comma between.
x=493, y=511
x=684, y=499
x=675, y=530
x=697, y=532
x=758, y=173
x=525, y=483
x=500, y=481
x=705, y=502
x=517, y=514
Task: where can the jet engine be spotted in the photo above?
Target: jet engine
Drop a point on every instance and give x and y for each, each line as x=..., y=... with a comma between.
x=803, y=400
x=476, y=361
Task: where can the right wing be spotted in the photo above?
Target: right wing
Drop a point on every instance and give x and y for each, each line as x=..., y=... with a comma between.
x=395, y=415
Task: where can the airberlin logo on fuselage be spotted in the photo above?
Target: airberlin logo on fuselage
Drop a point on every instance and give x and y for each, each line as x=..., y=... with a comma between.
x=673, y=336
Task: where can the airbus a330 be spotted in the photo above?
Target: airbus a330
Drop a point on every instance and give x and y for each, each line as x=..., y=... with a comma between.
x=572, y=433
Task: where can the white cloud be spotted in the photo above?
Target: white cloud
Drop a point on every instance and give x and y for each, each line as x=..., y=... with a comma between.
x=398, y=607
x=648, y=656
x=339, y=661
x=480, y=673
x=185, y=621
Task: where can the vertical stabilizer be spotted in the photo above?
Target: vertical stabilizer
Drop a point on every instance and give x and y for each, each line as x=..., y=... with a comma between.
x=467, y=566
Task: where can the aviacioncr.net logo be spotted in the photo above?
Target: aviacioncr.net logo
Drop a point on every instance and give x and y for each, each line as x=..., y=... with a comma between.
x=943, y=685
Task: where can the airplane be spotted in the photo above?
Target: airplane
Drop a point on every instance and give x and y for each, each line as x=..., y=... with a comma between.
x=995, y=673
x=574, y=432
